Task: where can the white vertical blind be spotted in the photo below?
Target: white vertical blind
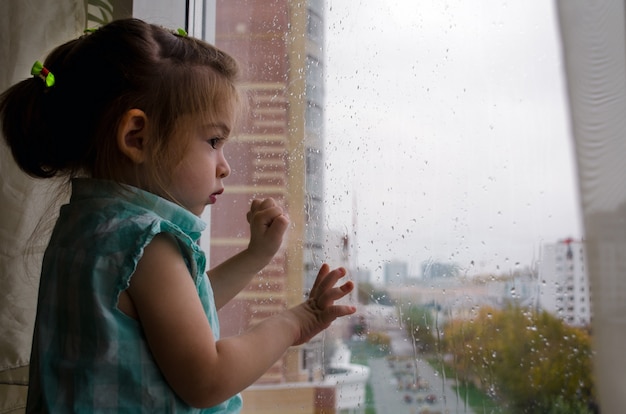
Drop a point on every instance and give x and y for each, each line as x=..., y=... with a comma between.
x=594, y=48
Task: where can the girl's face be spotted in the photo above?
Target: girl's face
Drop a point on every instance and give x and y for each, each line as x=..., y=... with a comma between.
x=196, y=180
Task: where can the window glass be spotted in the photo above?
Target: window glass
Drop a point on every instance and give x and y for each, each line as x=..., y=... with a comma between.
x=425, y=147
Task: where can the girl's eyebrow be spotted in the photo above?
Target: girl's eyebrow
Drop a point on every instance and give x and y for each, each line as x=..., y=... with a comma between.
x=219, y=125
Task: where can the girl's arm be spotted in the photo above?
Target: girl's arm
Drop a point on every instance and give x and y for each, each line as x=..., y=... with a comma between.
x=201, y=370
x=267, y=227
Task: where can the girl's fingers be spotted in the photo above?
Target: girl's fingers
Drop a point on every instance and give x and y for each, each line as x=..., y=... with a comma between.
x=254, y=206
x=336, y=311
x=339, y=311
x=265, y=217
x=329, y=297
x=267, y=203
x=328, y=281
x=257, y=205
x=323, y=271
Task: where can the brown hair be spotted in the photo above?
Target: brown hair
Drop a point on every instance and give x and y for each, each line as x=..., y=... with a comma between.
x=70, y=128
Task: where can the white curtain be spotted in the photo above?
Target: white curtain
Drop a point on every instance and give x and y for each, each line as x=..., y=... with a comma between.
x=28, y=31
x=594, y=48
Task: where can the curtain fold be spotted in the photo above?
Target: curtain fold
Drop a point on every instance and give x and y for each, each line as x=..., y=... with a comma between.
x=28, y=31
x=594, y=50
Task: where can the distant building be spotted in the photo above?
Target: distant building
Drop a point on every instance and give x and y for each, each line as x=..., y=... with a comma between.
x=522, y=288
x=437, y=270
x=396, y=273
x=363, y=275
x=564, y=283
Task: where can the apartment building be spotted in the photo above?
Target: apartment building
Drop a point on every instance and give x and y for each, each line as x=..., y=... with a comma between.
x=564, y=283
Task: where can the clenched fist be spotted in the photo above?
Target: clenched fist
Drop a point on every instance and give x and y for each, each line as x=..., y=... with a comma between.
x=268, y=224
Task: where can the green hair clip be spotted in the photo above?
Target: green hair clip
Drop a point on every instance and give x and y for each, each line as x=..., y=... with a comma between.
x=182, y=32
x=90, y=30
x=39, y=70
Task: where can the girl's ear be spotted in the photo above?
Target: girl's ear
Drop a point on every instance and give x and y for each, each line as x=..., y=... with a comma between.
x=132, y=135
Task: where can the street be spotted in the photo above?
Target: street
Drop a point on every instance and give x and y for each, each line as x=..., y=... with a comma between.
x=405, y=383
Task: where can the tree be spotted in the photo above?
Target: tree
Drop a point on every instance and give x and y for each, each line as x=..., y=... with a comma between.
x=533, y=361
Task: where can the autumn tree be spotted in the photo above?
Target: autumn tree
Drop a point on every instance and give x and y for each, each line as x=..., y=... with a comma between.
x=532, y=361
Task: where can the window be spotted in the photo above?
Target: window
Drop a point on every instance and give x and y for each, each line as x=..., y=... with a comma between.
x=433, y=137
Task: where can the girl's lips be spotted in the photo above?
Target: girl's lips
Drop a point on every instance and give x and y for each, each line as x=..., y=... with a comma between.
x=213, y=197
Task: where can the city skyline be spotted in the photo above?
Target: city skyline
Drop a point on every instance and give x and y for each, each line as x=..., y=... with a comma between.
x=448, y=135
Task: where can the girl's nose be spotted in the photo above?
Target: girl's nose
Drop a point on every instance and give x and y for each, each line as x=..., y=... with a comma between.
x=223, y=169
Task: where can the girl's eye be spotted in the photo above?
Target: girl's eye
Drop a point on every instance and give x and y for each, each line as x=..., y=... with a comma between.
x=214, y=142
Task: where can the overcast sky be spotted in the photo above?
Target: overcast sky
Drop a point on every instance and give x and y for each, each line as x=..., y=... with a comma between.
x=447, y=132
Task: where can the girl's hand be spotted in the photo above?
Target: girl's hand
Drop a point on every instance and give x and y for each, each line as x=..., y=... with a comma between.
x=319, y=311
x=268, y=224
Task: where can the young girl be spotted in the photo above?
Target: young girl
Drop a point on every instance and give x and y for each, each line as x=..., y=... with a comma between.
x=137, y=117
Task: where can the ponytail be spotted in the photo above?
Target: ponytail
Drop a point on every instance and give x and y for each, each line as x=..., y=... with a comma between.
x=34, y=117
x=24, y=125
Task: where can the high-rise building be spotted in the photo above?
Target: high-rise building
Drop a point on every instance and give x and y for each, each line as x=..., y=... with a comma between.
x=396, y=273
x=564, y=283
x=278, y=152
